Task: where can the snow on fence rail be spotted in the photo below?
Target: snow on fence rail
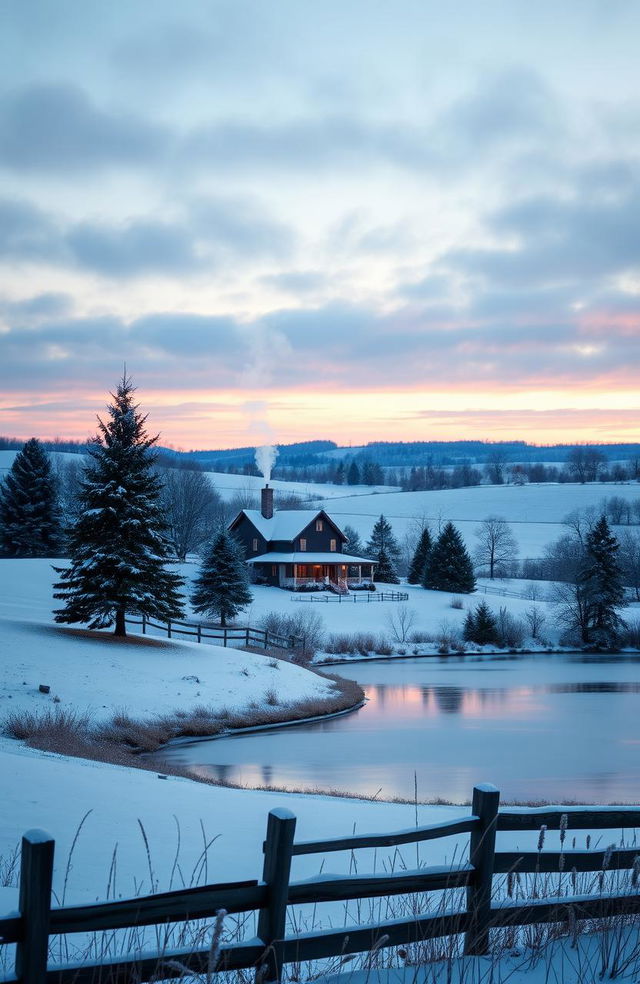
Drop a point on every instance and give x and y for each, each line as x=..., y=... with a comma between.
x=364, y=596
x=225, y=634
x=272, y=947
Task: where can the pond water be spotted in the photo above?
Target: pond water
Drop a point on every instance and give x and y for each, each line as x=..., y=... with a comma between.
x=556, y=727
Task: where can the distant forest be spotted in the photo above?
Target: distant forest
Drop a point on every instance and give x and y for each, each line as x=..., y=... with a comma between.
x=412, y=466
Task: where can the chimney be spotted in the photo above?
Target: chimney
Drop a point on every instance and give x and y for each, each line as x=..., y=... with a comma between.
x=266, y=502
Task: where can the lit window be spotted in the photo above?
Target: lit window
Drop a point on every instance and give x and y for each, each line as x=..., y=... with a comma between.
x=318, y=526
x=332, y=545
x=303, y=544
x=255, y=543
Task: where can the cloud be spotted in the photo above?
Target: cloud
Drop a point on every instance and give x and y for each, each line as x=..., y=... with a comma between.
x=205, y=233
x=28, y=233
x=48, y=127
x=558, y=240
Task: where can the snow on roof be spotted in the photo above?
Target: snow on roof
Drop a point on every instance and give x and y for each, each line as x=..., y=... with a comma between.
x=307, y=557
x=285, y=524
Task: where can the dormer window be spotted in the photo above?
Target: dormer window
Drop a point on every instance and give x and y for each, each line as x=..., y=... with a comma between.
x=255, y=543
x=303, y=544
x=319, y=526
x=332, y=546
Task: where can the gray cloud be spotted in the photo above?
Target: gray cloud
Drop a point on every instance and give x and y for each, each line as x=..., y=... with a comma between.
x=28, y=233
x=57, y=128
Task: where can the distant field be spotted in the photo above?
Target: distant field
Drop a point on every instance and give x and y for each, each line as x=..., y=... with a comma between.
x=535, y=511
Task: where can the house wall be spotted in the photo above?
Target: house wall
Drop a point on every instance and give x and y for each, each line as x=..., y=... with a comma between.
x=245, y=532
x=319, y=542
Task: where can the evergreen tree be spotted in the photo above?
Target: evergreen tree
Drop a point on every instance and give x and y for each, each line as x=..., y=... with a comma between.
x=353, y=474
x=382, y=538
x=338, y=477
x=420, y=557
x=450, y=567
x=222, y=586
x=385, y=569
x=118, y=543
x=600, y=584
x=29, y=513
x=354, y=543
x=481, y=627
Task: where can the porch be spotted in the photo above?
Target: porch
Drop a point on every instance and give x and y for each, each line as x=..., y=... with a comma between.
x=339, y=573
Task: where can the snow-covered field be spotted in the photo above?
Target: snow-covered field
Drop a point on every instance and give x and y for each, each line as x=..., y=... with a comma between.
x=535, y=512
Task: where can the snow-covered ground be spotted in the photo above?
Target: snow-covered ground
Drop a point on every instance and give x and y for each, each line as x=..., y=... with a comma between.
x=535, y=512
x=101, y=676
x=229, y=485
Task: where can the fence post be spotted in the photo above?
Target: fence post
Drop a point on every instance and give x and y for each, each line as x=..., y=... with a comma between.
x=144, y=624
x=486, y=799
x=168, y=630
x=224, y=636
x=199, y=632
x=281, y=828
x=247, y=638
x=36, y=872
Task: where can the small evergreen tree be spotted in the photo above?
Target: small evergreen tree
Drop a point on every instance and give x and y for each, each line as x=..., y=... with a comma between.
x=420, y=557
x=481, y=627
x=382, y=538
x=118, y=543
x=29, y=513
x=385, y=569
x=600, y=582
x=450, y=567
x=222, y=586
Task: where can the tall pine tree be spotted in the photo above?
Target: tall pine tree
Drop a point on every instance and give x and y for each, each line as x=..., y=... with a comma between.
x=420, y=557
x=600, y=585
x=450, y=567
x=29, y=513
x=382, y=538
x=118, y=543
x=222, y=586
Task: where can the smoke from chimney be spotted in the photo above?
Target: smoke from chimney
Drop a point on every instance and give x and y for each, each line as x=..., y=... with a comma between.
x=266, y=459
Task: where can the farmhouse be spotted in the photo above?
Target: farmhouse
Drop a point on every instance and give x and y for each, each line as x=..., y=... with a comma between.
x=298, y=549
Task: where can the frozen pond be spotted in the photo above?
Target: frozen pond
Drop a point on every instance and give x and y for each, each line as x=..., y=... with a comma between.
x=557, y=727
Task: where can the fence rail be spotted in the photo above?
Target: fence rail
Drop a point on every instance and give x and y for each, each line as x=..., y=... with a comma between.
x=262, y=638
x=270, y=897
x=349, y=599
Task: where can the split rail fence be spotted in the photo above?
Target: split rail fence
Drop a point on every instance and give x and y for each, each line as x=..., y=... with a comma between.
x=272, y=948
x=248, y=636
x=362, y=596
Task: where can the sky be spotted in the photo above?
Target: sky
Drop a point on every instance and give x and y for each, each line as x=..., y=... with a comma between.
x=347, y=220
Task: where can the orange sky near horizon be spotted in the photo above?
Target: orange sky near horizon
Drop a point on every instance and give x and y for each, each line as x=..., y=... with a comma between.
x=199, y=420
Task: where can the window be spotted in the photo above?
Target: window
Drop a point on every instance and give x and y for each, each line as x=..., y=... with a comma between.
x=274, y=570
x=303, y=544
x=318, y=526
x=255, y=543
x=332, y=545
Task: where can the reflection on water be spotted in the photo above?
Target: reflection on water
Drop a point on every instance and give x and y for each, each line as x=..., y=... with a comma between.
x=557, y=728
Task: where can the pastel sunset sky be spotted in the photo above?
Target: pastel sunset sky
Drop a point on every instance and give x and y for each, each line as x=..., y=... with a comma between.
x=346, y=220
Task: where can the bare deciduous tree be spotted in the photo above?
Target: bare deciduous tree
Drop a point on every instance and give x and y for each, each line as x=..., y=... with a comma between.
x=192, y=508
x=400, y=621
x=497, y=548
x=535, y=619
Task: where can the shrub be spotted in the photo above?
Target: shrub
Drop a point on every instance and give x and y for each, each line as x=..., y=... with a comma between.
x=306, y=626
x=511, y=631
x=456, y=602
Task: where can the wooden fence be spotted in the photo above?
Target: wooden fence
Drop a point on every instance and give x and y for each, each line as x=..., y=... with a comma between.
x=248, y=636
x=270, y=897
x=363, y=596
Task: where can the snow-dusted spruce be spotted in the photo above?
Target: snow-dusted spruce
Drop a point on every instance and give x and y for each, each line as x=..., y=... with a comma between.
x=481, y=627
x=118, y=544
x=382, y=538
x=29, y=515
x=600, y=581
x=222, y=586
x=420, y=557
x=385, y=569
x=450, y=567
